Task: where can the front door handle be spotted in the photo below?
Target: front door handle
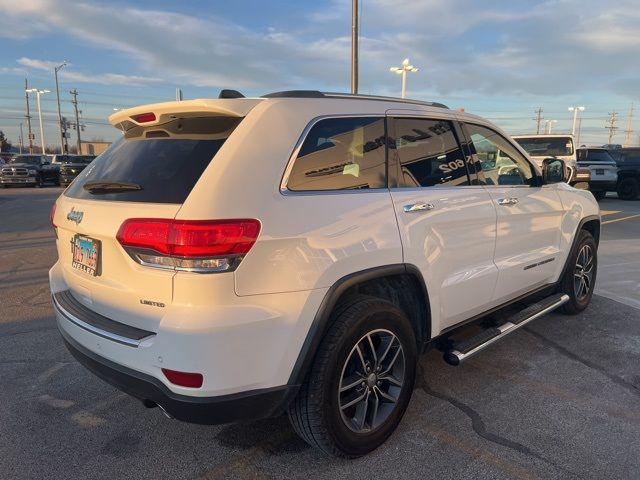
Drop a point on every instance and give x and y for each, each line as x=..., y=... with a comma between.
x=418, y=207
x=507, y=201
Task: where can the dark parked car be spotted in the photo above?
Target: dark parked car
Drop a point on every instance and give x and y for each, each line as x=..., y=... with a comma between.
x=604, y=171
x=32, y=170
x=628, y=160
x=70, y=166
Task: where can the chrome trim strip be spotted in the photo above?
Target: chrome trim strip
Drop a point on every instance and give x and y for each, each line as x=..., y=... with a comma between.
x=97, y=331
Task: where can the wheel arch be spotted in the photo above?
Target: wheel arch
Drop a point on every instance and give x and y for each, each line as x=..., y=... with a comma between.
x=591, y=224
x=401, y=284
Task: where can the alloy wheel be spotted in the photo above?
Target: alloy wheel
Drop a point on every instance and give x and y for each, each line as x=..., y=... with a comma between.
x=583, y=273
x=371, y=381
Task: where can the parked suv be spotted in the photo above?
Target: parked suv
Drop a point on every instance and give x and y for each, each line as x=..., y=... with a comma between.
x=549, y=145
x=32, y=170
x=604, y=171
x=236, y=258
x=628, y=160
x=70, y=166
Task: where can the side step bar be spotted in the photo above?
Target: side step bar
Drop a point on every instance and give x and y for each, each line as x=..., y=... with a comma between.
x=467, y=348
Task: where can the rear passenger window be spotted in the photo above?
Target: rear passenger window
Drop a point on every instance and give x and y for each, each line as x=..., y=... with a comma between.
x=428, y=153
x=341, y=154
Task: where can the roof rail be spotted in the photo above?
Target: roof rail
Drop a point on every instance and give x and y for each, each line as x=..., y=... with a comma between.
x=318, y=94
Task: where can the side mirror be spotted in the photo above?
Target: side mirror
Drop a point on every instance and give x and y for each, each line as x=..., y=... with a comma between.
x=553, y=170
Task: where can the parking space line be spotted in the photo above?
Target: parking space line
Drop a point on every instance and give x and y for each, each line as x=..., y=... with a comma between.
x=620, y=219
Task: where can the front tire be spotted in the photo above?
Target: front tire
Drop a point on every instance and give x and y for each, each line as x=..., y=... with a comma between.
x=360, y=382
x=628, y=188
x=580, y=277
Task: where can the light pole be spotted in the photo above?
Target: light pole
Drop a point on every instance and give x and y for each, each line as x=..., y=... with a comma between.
x=549, y=124
x=575, y=111
x=403, y=70
x=55, y=71
x=39, y=92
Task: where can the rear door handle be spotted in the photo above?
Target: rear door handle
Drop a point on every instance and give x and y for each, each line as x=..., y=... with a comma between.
x=418, y=207
x=507, y=201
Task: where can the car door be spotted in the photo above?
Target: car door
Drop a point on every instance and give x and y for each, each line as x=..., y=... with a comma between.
x=447, y=226
x=529, y=214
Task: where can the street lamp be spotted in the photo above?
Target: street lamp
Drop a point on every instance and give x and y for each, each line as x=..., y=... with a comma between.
x=403, y=70
x=575, y=111
x=549, y=124
x=55, y=71
x=39, y=92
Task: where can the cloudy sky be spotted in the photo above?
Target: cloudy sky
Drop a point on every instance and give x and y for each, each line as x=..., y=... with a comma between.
x=498, y=58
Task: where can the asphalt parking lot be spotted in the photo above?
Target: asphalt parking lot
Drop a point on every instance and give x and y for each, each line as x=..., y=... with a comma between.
x=558, y=399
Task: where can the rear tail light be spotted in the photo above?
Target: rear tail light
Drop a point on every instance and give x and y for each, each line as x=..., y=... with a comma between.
x=202, y=246
x=183, y=379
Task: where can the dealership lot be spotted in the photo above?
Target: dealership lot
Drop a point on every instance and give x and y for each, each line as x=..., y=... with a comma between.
x=558, y=399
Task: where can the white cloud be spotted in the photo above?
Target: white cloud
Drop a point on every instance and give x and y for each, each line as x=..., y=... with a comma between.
x=462, y=46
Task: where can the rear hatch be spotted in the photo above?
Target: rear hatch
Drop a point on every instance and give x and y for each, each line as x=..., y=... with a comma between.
x=147, y=174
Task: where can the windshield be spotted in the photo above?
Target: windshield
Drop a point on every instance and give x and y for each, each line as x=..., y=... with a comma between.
x=547, y=146
x=25, y=159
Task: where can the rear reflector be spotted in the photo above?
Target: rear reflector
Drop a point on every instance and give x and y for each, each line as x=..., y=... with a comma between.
x=198, y=245
x=183, y=379
x=144, y=117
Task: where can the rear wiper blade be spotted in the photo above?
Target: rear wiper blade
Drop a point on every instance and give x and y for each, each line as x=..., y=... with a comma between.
x=111, y=187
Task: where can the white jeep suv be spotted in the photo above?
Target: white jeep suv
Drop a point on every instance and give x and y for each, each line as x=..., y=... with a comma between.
x=239, y=258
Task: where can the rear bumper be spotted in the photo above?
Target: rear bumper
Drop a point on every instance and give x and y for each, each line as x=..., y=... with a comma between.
x=203, y=410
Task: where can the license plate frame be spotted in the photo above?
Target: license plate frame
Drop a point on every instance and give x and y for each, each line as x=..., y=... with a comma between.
x=86, y=255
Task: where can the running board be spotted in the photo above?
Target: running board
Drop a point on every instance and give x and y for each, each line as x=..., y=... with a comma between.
x=462, y=350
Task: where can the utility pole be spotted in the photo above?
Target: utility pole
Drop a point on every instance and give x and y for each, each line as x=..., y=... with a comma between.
x=629, y=130
x=354, y=47
x=611, y=125
x=21, y=138
x=178, y=94
x=55, y=71
x=74, y=92
x=28, y=116
x=538, y=118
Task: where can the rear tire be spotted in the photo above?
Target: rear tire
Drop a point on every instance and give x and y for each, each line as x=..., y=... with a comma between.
x=628, y=188
x=360, y=382
x=580, y=277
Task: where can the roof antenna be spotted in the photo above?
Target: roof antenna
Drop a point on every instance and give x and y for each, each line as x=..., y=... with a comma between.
x=225, y=93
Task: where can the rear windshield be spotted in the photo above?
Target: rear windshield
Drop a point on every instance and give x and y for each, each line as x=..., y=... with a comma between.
x=163, y=170
x=547, y=147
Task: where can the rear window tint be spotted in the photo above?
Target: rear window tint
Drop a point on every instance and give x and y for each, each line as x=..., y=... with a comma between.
x=166, y=169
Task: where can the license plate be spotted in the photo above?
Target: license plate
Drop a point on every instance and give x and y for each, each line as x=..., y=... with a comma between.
x=599, y=171
x=86, y=254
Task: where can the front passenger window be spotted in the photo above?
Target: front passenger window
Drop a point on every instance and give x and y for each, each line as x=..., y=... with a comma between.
x=497, y=161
